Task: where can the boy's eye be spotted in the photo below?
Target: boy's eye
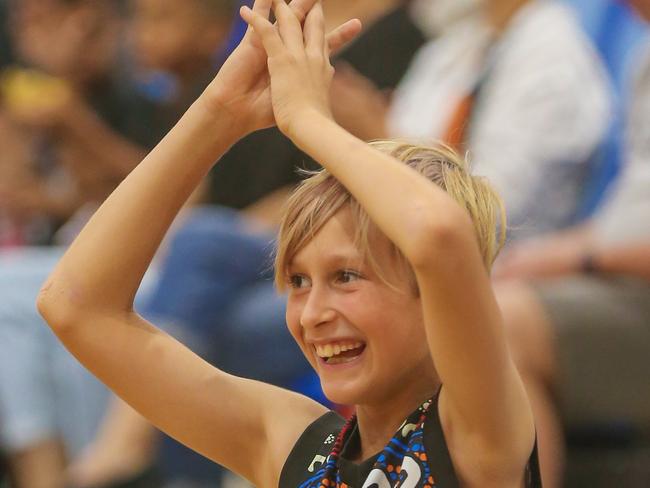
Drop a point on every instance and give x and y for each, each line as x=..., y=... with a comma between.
x=298, y=281
x=347, y=276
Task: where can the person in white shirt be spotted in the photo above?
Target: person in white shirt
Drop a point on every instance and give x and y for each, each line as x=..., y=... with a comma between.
x=518, y=85
x=576, y=304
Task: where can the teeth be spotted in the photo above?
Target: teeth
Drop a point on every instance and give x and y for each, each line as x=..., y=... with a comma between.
x=334, y=349
x=340, y=360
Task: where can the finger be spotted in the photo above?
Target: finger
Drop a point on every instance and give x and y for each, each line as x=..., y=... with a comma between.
x=288, y=25
x=343, y=34
x=314, y=30
x=263, y=8
x=301, y=8
x=271, y=40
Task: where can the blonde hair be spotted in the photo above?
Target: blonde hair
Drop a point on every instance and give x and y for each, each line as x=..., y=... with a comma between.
x=321, y=196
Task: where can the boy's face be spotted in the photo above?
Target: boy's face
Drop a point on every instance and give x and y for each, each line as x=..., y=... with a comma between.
x=169, y=33
x=76, y=41
x=337, y=302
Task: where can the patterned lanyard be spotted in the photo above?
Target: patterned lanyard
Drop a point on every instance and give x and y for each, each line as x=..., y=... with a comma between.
x=402, y=462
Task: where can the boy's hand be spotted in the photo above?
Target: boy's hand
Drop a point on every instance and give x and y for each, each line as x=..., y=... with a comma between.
x=242, y=86
x=298, y=62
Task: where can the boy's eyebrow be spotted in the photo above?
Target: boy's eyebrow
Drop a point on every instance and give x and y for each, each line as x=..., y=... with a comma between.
x=333, y=259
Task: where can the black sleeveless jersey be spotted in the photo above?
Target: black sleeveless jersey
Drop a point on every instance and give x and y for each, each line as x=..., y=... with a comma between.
x=415, y=457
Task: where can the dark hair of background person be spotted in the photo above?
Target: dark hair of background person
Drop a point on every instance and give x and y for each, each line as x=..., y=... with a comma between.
x=6, y=56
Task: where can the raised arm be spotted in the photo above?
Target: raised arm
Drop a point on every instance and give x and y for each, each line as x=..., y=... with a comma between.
x=483, y=395
x=88, y=299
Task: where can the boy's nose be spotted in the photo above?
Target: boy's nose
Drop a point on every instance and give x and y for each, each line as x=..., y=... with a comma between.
x=314, y=320
x=317, y=311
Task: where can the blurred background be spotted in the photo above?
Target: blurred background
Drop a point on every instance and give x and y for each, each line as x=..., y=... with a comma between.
x=549, y=98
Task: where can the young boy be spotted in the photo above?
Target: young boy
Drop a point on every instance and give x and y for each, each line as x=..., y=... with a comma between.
x=423, y=280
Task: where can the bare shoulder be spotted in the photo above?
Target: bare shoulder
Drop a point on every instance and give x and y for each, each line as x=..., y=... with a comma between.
x=481, y=462
x=289, y=417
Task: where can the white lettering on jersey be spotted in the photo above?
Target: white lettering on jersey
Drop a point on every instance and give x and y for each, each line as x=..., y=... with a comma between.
x=317, y=459
x=376, y=479
x=413, y=473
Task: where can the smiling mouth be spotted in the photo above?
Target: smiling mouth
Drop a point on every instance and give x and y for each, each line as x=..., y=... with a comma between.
x=340, y=353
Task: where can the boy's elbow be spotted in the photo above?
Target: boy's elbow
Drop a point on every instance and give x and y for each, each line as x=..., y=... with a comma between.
x=53, y=305
x=48, y=308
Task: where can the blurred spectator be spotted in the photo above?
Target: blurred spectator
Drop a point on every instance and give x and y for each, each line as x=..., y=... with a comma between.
x=48, y=413
x=69, y=127
x=75, y=123
x=62, y=122
x=519, y=85
x=177, y=47
x=576, y=304
x=617, y=33
x=436, y=16
x=49, y=405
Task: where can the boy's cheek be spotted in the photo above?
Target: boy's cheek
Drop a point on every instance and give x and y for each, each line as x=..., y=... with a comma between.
x=293, y=324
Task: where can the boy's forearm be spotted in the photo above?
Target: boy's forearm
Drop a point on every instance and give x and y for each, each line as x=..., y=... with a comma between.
x=380, y=184
x=104, y=265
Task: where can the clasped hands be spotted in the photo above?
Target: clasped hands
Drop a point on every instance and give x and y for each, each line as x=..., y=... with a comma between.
x=280, y=71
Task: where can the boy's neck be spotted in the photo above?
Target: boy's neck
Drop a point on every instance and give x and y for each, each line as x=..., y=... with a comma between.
x=379, y=422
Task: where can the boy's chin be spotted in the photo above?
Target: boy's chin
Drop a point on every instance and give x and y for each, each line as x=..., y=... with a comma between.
x=342, y=394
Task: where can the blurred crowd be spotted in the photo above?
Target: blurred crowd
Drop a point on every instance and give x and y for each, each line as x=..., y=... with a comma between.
x=550, y=99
